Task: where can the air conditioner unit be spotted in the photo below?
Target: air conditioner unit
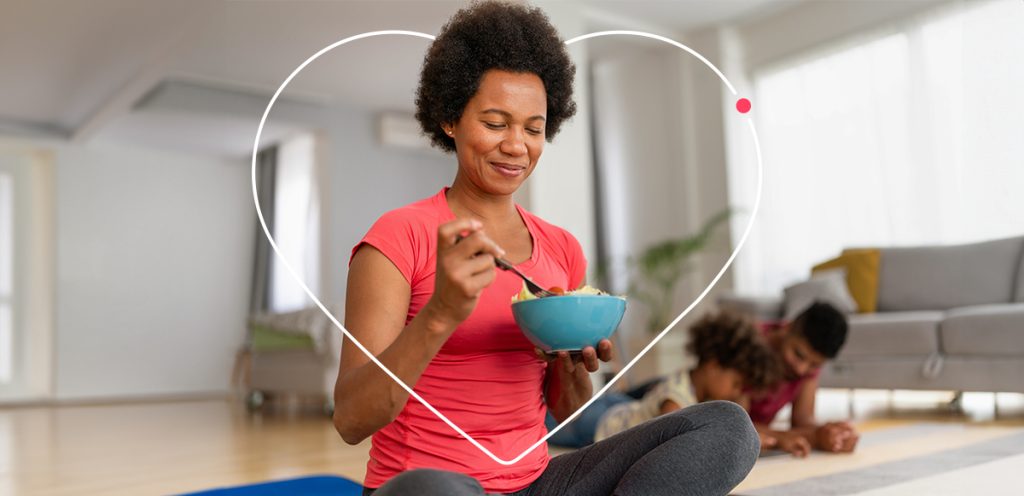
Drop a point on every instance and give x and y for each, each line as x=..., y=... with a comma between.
x=401, y=131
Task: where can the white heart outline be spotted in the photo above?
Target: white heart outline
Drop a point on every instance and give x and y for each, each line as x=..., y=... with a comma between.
x=707, y=289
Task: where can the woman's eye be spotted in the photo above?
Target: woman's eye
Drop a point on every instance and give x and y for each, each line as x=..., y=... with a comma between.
x=534, y=131
x=494, y=125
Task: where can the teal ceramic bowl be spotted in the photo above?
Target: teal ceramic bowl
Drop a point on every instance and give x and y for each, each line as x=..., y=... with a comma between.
x=569, y=323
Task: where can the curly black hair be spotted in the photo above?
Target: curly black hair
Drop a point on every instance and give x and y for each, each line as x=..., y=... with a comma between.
x=484, y=36
x=824, y=327
x=734, y=342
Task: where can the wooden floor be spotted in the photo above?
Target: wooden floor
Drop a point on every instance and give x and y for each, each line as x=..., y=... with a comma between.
x=164, y=448
x=173, y=447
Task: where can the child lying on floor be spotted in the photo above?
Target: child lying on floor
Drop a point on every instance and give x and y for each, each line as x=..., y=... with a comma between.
x=730, y=357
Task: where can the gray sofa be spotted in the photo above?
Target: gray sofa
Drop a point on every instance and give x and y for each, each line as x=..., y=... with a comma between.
x=948, y=318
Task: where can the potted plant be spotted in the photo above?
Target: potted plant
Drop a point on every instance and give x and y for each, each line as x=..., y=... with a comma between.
x=658, y=269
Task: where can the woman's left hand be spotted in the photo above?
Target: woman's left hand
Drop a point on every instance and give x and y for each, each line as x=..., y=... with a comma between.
x=569, y=385
x=590, y=358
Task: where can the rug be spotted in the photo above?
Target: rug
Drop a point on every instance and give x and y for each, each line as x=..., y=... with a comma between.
x=933, y=459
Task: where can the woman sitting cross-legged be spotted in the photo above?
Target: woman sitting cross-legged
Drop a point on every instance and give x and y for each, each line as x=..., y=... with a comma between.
x=495, y=85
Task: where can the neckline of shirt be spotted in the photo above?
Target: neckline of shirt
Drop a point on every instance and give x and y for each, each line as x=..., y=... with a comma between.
x=442, y=199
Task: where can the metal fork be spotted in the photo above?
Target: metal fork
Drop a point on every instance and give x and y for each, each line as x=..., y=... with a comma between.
x=503, y=264
x=534, y=288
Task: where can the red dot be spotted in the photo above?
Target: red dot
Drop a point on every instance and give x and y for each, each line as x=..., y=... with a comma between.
x=743, y=105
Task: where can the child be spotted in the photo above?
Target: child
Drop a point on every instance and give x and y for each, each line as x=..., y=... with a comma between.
x=803, y=346
x=730, y=356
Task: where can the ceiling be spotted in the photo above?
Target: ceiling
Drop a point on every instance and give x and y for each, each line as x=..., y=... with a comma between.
x=82, y=70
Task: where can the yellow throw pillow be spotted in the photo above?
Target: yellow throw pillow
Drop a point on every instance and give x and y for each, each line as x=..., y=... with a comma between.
x=861, y=266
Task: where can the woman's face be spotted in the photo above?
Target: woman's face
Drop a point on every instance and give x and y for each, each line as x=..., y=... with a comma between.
x=500, y=136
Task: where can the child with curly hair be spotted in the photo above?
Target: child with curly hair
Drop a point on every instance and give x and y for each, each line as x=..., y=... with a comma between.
x=730, y=356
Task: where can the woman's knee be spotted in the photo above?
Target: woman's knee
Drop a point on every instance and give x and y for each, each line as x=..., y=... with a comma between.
x=734, y=432
x=725, y=411
x=732, y=418
x=430, y=482
x=727, y=424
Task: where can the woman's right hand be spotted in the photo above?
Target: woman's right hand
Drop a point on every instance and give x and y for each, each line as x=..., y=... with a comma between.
x=465, y=266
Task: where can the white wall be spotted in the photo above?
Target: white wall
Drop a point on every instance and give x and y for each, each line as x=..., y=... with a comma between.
x=154, y=251
x=154, y=256
x=561, y=187
x=364, y=180
x=708, y=109
x=644, y=194
x=661, y=117
x=639, y=145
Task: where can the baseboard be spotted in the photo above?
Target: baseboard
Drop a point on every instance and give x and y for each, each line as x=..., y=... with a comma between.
x=119, y=400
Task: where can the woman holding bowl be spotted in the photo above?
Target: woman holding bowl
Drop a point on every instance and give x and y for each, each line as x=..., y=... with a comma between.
x=495, y=85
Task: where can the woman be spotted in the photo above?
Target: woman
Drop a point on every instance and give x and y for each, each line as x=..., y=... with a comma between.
x=495, y=84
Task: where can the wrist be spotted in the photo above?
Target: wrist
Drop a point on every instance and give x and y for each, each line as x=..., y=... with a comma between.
x=819, y=438
x=576, y=390
x=583, y=387
x=436, y=321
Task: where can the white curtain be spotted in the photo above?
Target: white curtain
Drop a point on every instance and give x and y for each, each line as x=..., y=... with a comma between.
x=905, y=138
x=296, y=224
x=6, y=278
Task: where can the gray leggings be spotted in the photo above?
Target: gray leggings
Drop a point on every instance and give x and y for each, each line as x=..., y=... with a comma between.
x=705, y=449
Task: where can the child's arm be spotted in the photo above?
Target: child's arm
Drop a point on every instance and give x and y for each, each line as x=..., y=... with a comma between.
x=803, y=406
x=833, y=436
x=787, y=441
x=669, y=406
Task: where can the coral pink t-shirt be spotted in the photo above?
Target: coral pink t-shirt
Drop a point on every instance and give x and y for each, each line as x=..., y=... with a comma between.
x=766, y=405
x=486, y=378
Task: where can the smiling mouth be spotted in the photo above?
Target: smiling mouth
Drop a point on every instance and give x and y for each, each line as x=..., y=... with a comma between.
x=510, y=170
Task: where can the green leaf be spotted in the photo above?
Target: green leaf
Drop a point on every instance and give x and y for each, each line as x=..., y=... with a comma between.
x=660, y=267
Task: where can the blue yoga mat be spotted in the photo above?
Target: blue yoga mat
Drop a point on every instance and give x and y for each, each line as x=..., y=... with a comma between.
x=317, y=485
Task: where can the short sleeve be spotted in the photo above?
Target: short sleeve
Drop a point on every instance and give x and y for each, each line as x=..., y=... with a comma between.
x=394, y=236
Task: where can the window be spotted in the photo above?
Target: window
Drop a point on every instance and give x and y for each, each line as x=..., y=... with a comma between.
x=908, y=138
x=296, y=224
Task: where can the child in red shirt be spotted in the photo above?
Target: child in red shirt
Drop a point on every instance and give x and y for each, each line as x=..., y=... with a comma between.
x=803, y=345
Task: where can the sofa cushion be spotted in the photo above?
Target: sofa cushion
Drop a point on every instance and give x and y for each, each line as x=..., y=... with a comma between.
x=956, y=373
x=984, y=330
x=882, y=373
x=892, y=333
x=861, y=266
x=944, y=277
x=828, y=286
